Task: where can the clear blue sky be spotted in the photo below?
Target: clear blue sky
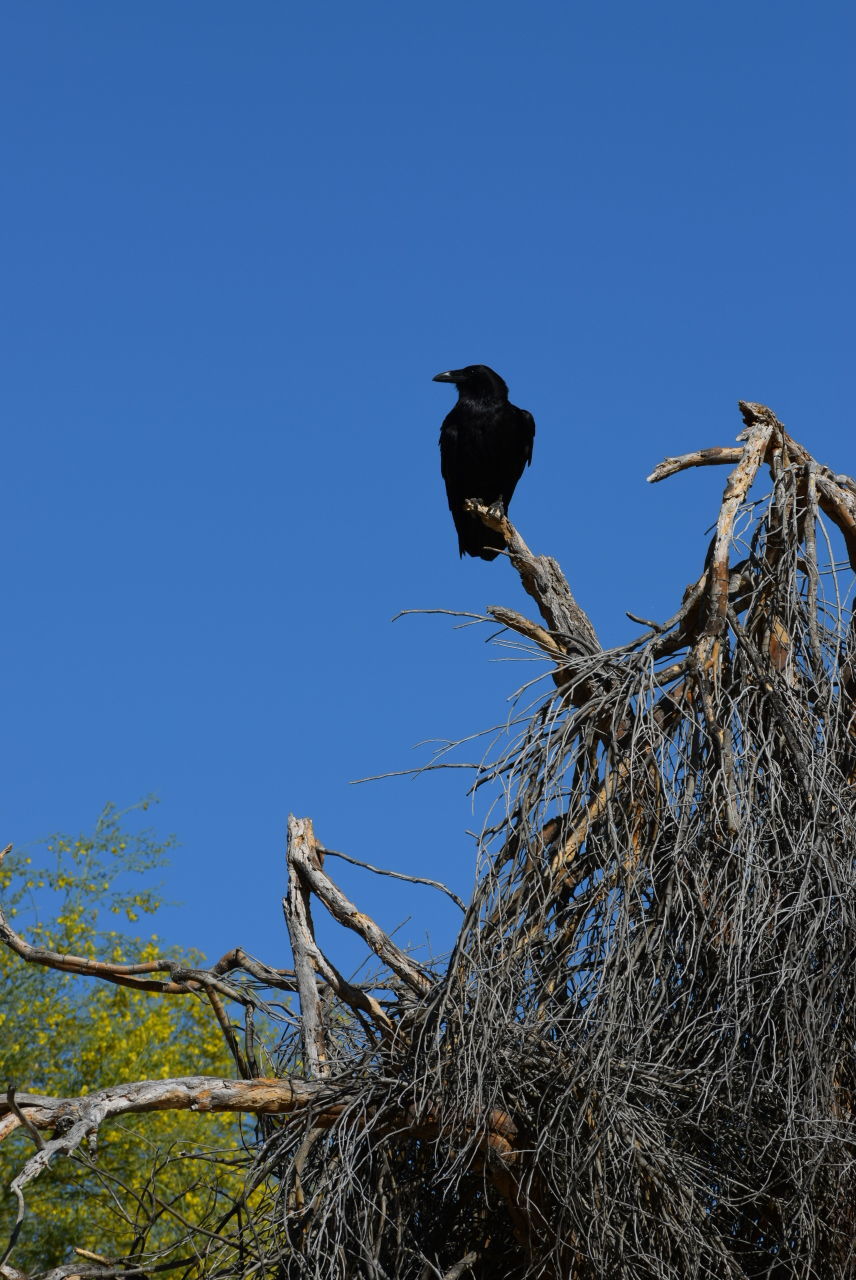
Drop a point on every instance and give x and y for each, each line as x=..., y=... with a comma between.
x=238, y=241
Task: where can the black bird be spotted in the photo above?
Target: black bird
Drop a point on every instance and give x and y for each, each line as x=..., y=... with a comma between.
x=485, y=442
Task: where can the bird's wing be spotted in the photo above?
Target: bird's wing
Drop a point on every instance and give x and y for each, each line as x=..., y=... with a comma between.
x=449, y=447
x=456, y=470
x=529, y=433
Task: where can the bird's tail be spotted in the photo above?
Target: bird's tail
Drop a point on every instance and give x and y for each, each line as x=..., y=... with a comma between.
x=476, y=539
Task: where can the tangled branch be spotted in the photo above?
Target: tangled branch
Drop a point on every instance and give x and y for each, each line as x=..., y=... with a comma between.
x=639, y=1059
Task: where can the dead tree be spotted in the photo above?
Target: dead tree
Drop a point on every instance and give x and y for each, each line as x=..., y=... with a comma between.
x=638, y=1060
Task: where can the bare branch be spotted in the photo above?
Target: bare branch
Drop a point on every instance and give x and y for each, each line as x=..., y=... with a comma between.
x=698, y=458
x=181, y=1093
x=394, y=875
x=544, y=581
x=762, y=424
x=301, y=847
x=302, y=857
x=525, y=627
x=186, y=980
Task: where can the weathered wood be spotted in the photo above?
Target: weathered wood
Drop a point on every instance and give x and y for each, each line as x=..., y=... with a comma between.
x=298, y=917
x=543, y=580
x=698, y=458
x=762, y=424
x=304, y=861
x=356, y=997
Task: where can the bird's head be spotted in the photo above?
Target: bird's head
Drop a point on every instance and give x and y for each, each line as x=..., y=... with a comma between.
x=475, y=382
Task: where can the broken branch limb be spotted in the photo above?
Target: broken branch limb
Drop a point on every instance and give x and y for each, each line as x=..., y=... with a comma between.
x=526, y=627
x=301, y=845
x=762, y=424
x=698, y=458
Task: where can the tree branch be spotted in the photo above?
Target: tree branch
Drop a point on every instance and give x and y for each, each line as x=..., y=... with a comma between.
x=298, y=917
x=302, y=856
x=698, y=458
x=544, y=581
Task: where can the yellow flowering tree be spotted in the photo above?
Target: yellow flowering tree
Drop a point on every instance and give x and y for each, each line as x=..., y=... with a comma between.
x=65, y=1035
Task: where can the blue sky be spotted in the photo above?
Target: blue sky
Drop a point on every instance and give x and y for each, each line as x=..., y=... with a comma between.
x=238, y=242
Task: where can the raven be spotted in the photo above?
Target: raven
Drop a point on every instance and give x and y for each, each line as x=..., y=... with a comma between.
x=485, y=442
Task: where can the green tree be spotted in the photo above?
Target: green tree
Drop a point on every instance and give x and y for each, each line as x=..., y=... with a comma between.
x=65, y=1035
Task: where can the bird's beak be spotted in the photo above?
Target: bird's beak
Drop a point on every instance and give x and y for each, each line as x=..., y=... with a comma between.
x=450, y=376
